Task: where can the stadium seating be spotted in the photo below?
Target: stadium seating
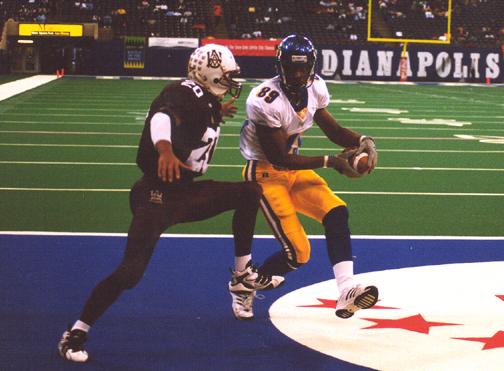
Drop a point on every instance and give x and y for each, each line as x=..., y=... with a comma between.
x=474, y=22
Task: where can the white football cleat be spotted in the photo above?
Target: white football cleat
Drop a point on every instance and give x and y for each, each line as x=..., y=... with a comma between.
x=355, y=298
x=250, y=279
x=243, y=286
x=242, y=303
x=71, y=346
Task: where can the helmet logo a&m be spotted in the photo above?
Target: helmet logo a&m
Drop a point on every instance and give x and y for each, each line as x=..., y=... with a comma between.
x=214, y=59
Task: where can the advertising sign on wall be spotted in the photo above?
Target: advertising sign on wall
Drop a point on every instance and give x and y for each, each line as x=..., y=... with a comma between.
x=134, y=52
x=47, y=29
x=247, y=47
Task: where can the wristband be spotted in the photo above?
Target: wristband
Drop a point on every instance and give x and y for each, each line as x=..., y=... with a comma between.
x=329, y=161
x=361, y=139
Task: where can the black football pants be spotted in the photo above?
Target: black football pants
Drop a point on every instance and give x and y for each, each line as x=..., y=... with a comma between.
x=158, y=206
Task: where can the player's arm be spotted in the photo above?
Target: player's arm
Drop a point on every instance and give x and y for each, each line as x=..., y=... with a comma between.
x=274, y=144
x=335, y=132
x=168, y=164
x=345, y=137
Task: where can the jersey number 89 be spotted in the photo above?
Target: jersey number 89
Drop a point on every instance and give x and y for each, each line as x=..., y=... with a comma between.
x=268, y=94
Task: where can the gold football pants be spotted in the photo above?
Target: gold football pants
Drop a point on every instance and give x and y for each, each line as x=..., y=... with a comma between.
x=286, y=193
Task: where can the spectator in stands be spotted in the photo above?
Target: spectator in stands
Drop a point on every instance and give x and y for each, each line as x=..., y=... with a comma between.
x=217, y=12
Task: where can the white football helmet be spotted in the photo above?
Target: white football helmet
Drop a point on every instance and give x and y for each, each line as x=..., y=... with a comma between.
x=213, y=66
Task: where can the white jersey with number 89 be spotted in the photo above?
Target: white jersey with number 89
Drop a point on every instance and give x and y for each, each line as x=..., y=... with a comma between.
x=268, y=105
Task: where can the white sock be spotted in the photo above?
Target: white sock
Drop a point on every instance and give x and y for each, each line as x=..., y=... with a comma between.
x=241, y=262
x=343, y=271
x=79, y=325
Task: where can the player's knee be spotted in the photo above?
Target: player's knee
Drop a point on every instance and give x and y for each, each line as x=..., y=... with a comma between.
x=147, y=225
x=336, y=220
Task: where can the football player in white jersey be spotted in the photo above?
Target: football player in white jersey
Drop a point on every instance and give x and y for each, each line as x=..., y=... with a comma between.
x=278, y=111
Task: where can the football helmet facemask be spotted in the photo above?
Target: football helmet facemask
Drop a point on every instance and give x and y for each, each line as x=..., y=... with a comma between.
x=296, y=57
x=213, y=66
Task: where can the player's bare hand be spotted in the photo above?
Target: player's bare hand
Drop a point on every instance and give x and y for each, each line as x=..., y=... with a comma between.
x=169, y=167
x=342, y=165
x=228, y=108
x=168, y=164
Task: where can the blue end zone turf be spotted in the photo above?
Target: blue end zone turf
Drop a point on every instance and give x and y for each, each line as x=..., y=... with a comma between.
x=179, y=316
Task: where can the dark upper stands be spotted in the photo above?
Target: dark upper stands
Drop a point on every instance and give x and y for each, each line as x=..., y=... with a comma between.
x=474, y=22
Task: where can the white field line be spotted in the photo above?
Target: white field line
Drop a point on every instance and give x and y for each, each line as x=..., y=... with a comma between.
x=69, y=145
x=84, y=163
x=122, y=190
x=66, y=132
x=73, y=114
x=16, y=87
x=342, y=115
x=57, y=145
x=222, y=135
x=229, y=124
x=344, y=111
x=229, y=236
x=437, y=97
x=73, y=163
x=101, y=123
x=102, y=102
x=375, y=137
x=235, y=123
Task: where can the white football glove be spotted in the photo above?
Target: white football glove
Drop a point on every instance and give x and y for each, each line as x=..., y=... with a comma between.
x=367, y=144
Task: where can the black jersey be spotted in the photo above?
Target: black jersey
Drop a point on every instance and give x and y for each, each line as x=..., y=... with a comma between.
x=195, y=126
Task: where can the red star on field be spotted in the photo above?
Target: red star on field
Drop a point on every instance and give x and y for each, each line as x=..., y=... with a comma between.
x=327, y=303
x=501, y=297
x=414, y=323
x=496, y=341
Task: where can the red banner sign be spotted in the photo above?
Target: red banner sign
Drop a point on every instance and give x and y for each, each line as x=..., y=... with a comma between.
x=254, y=47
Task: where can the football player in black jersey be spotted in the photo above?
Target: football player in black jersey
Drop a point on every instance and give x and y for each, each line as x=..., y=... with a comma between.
x=177, y=143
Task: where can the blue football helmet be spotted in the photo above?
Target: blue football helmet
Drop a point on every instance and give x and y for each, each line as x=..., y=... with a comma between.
x=296, y=57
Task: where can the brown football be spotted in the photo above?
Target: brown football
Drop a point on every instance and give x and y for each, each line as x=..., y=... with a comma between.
x=360, y=163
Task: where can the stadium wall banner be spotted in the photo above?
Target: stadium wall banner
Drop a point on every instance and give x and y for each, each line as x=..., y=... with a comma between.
x=49, y=29
x=425, y=63
x=247, y=47
x=134, y=52
x=173, y=42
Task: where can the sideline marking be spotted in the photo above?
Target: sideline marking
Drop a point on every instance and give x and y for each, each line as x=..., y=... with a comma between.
x=172, y=235
x=16, y=87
